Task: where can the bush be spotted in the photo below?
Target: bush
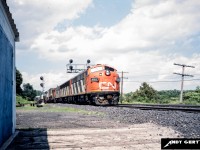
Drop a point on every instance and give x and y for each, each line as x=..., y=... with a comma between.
x=20, y=100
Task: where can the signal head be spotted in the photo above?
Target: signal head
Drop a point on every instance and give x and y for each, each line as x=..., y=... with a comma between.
x=88, y=61
x=71, y=67
x=41, y=78
x=41, y=84
x=71, y=61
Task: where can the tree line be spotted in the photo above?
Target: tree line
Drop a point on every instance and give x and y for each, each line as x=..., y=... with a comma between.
x=27, y=91
x=147, y=94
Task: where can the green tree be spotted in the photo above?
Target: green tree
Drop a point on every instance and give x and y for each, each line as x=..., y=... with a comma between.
x=145, y=93
x=28, y=91
x=198, y=89
x=192, y=97
x=38, y=93
x=167, y=96
x=128, y=97
x=19, y=81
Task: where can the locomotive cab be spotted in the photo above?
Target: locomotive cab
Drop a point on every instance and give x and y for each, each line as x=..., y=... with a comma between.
x=103, y=84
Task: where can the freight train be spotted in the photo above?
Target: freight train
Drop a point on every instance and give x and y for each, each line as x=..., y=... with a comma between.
x=98, y=85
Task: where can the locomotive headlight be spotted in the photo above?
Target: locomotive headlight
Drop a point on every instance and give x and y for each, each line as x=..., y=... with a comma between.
x=94, y=80
x=107, y=72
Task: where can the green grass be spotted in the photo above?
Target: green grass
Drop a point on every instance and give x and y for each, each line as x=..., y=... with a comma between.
x=49, y=108
x=21, y=100
x=171, y=101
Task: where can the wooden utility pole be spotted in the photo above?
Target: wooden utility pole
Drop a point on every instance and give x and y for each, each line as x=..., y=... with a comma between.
x=122, y=87
x=182, y=78
x=122, y=82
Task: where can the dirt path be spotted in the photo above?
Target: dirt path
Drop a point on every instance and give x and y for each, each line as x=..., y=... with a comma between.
x=135, y=137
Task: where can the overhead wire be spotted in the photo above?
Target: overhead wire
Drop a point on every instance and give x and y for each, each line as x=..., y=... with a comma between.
x=161, y=81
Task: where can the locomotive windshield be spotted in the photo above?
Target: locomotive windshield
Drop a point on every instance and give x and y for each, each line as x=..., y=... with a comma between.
x=109, y=68
x=97, y=69
x=100, y=68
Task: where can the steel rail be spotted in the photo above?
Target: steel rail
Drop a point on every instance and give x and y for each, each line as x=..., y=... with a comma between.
x=188, y=108
x=165, y=105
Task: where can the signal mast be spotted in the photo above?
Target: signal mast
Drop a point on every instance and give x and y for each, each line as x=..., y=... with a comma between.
x=43, y=87
x=76, y=68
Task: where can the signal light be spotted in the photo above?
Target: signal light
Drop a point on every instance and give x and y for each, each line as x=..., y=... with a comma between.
x=71, y=61
x=42, y=84
x=88, y=61
x=71, y=67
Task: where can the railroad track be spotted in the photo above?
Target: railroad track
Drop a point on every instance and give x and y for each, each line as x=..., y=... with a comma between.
x=188, y=108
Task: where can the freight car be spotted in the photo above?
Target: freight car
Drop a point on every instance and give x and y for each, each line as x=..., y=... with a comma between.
x=98, y=85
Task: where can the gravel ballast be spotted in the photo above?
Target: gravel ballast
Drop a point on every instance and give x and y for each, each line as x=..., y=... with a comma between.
x=185, y=123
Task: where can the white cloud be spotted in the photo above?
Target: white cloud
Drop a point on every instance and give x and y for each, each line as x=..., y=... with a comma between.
x=57, y=46
x=48, y=13
x=35, y=17
x=51, y=79
x=155, y=69
x=156, y=26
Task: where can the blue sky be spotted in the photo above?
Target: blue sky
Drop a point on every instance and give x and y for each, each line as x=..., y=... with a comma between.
x=104, y=13
x=142, y=37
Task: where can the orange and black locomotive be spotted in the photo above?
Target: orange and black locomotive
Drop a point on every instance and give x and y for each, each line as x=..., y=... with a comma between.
x=97, y=85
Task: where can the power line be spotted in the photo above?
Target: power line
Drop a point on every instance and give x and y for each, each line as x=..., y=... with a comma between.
x=174, y=81
x=161, y=81
x=183, y=75
x=155, y=75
